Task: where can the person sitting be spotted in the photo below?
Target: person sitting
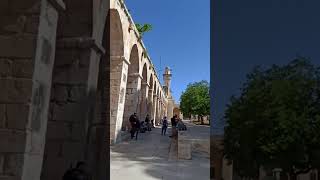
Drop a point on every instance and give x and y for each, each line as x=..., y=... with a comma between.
x=143, y=127
x=181, y=126
x=147, y=121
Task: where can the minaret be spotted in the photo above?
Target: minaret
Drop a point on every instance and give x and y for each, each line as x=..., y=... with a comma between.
x=167, y=86
x=167, y=81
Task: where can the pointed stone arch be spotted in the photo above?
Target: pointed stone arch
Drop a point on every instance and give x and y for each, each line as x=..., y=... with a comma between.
x=132, y=93
x=143, y=92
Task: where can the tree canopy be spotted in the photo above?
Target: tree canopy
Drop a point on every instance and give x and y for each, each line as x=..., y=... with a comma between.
x=275, y=122
x=196, y=99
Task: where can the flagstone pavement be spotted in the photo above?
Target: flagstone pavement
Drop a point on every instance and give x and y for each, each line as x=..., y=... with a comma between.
x=154, y=157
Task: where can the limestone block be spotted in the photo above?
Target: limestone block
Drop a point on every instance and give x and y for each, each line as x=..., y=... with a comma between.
x=5, y=67
x=32, y=24
x=66, y=112
x=184, y=150
x=2, y=115
x=12, y=141
x=59, y=130
x=15, y=90
x=26, y=46
x=60, y=93
x=17, y=115
x=72, y=150
x=2, y=158
x=53, y=148
x=77, y=93
x=23, y=69
x=71, y=76
x=78, y=132
x=13, y=164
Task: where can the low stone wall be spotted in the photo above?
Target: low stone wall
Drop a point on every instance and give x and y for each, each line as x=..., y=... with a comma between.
x=188, y=145
x=184, y=146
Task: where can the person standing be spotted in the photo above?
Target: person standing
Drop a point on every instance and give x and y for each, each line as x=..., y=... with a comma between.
x=137, y=128
x=147, y=121
x=174, y=124
x=133, y=120
x=164, y=126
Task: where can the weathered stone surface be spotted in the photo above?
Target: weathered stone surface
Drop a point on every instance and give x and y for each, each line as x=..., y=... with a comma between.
x=15, y=90
x=17, y=115
x=32, y=24
x=26, y=46
x=66, y=112
x=78, y=132
x=77, y=93
x=22, y=69
x=71, y=76
x=2, y=158
x=60, y=93
x=59, y=130
x=71, y=149
x=12, y=141
x=13, y=164
x=2, y=115
x=5, y=67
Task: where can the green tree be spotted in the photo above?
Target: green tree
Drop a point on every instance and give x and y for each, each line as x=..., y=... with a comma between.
x=275, y=122
x=143, y=28
x=196, y=100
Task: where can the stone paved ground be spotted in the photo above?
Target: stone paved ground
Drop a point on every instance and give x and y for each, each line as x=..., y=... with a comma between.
x=150, y=158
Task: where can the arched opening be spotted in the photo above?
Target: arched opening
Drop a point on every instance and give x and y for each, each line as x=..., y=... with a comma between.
x=66, y=136
x=117, y=66
x=116, y=34
x=143, y=93
x=131, y=100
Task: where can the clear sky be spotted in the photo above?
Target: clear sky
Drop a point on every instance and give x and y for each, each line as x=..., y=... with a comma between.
x=258, y=32
x=180, y=36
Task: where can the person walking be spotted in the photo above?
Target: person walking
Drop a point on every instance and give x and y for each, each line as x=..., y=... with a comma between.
x=137, y=128
x=164, y=126
x=133, y=120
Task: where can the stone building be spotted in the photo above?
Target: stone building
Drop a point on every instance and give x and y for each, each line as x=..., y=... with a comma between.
x=71, y=73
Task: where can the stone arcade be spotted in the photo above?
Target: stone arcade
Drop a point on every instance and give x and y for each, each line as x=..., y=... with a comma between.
x=66, y=78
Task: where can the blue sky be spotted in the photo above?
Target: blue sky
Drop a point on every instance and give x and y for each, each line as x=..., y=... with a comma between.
x=180, y=36
x=258, y=32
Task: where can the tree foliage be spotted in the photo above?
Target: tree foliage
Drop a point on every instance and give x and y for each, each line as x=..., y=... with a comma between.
x=196, y=99
x=275, y=122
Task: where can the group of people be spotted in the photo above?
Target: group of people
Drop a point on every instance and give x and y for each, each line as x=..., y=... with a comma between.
x=176, y=123
x=137, y=126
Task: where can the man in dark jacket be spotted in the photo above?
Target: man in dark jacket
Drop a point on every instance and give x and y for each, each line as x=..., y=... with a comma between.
x=137, y=127
x=174, y=124
x=133, y=121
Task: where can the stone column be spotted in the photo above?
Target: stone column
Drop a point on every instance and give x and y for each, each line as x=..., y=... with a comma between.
x=27, y=43
x=143, y=101
x=118, y=82
x=155, y=106
x=150, y=103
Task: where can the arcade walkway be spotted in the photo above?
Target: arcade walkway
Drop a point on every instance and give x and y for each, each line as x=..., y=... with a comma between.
x=152, y=158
